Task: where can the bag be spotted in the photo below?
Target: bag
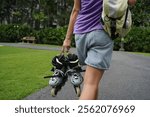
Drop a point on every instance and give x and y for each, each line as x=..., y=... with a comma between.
x=116, y=18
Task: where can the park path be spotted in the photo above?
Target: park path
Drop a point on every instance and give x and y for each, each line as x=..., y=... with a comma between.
x=127, y=79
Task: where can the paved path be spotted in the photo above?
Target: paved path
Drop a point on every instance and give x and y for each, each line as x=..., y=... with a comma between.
x=32, y=46
x=127, y=79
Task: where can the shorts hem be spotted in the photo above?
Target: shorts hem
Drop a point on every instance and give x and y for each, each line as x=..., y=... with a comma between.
x=97, y=67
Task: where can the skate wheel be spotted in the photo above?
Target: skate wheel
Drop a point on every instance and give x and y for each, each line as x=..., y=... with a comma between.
x=78, y=91
x=53, y=92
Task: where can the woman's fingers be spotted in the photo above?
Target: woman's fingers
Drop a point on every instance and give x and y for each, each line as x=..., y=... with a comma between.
x=66, y=45
x=65, y=49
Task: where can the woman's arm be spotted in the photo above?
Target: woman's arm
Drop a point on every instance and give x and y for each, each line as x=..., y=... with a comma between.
x=73, y=16
x=131, y=2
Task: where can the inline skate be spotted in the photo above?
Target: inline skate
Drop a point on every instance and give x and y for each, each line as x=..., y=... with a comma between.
x=65, y=67
x=74, y=72
x=58, y=79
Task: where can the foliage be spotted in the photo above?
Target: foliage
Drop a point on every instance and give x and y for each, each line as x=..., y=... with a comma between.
x=141, y=13
x=51, y=36
x=39, y=16
x=14, y=33
x=51, y=13
x=138, y=40
x=36, y=13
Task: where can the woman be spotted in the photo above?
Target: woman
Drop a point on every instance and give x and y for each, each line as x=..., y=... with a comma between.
x=93, y=45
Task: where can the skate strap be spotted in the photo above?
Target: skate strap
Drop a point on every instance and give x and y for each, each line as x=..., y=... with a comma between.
x=57, y=73
x=58, y=61
x=47, y=76
x=76, y=69
x=75, y=61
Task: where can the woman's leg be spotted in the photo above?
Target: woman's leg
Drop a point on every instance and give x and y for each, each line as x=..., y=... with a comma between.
x=92, y=78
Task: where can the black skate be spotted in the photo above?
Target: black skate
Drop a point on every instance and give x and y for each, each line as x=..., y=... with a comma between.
x=58, y=79
x=74, y=72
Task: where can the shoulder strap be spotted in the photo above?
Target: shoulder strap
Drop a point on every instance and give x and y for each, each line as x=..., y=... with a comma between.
x=124, y=25
x=113, y=28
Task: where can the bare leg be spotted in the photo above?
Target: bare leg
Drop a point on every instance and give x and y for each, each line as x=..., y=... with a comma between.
x=92, y=78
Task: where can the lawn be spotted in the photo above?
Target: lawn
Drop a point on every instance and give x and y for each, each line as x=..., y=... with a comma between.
x=141, y=53
x=22, y=71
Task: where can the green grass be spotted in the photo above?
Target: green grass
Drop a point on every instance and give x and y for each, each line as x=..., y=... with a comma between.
x=22, y=71
x=47, y=45
x=140, y=53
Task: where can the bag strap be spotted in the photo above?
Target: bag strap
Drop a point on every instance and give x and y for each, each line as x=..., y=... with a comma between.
x=113, y=28
x=124, y=25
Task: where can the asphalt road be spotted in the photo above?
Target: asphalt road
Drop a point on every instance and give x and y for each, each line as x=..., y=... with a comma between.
x=127, y=79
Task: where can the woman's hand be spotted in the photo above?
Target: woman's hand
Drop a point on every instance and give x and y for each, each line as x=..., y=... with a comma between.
x=66, y=45
x=131, y=2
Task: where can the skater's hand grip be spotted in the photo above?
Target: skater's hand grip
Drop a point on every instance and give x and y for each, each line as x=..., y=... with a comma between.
x=64, y=53
x=66, y=45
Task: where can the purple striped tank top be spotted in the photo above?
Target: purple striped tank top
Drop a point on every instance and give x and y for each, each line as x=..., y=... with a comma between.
x=89, y=16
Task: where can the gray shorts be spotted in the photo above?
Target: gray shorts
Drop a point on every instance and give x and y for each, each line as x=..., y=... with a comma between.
x=94, y=49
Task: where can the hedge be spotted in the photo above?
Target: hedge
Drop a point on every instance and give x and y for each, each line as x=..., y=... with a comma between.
x=138, y=38
x=14, y=33
x=51, y=35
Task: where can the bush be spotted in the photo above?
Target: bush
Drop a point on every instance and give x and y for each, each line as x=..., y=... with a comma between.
x=138, y=40
x=51, y=36
x=14, y=33
x=54, y=36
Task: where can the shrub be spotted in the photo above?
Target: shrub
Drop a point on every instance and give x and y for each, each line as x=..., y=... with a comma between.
x=52, y=36
x=14, y=33
x=138, y=40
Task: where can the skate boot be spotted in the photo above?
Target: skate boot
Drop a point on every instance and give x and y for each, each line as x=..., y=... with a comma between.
x=58, y=79
x=74, y=72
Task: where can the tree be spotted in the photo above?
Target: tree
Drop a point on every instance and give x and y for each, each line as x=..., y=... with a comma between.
x=36, y=13
x=6, y=7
